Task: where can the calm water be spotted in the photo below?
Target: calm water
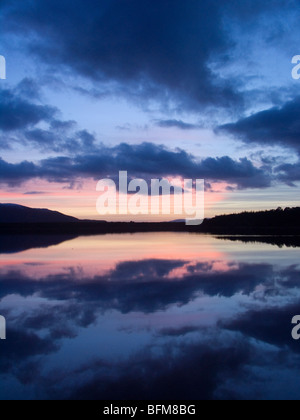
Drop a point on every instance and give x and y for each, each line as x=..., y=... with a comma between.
x=149, y=316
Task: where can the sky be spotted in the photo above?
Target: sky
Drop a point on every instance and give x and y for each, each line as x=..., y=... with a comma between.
x=159, y=88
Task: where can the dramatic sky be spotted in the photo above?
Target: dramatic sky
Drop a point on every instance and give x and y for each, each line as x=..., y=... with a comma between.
x=160, y=88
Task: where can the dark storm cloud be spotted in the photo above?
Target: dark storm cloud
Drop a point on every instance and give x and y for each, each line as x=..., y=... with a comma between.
x=146, y=49
x=144, y=160
x=279, y=126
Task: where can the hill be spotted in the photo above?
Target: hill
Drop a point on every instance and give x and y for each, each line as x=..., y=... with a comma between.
x=25, y=221
x=272, y=222
x=13, y=213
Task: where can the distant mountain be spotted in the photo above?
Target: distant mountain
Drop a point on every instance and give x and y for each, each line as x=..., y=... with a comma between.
x=13, y=213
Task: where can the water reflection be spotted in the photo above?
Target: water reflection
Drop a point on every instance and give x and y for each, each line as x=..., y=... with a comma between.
x=147, y=316
x=10, y=244
x=280, y=241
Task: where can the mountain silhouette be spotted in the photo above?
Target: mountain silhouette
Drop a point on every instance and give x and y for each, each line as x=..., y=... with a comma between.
x=271, y=222
x=13, y=213
x=16, y=220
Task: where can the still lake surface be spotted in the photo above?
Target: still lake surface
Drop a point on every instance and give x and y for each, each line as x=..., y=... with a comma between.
x=149, y=316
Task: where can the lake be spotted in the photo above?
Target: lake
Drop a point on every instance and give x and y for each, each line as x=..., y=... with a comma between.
x=148, y=316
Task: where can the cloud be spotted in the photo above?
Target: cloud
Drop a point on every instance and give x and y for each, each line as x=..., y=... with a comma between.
x=164, y=51
x=176, y=124
x=186, y=361
x=145, y=160
x=25, y=120
x=32, y=124
x=178, y=332
x=17, y=173
x=59, y=138
x=279, y=125
x=198, y=369
x=20, y=346
x=18, y=113
x=191, y=371
x=270, y=325
x=288, y=173
x=144, y=286
x=35, y=193
x=142, y=50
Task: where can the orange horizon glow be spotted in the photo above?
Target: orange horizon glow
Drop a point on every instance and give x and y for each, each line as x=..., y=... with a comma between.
x=80, y=200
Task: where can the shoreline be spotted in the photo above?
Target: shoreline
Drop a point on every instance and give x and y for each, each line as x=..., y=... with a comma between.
x=98, y=228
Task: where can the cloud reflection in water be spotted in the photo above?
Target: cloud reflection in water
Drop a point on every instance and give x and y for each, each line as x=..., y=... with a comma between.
x=152, y=328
